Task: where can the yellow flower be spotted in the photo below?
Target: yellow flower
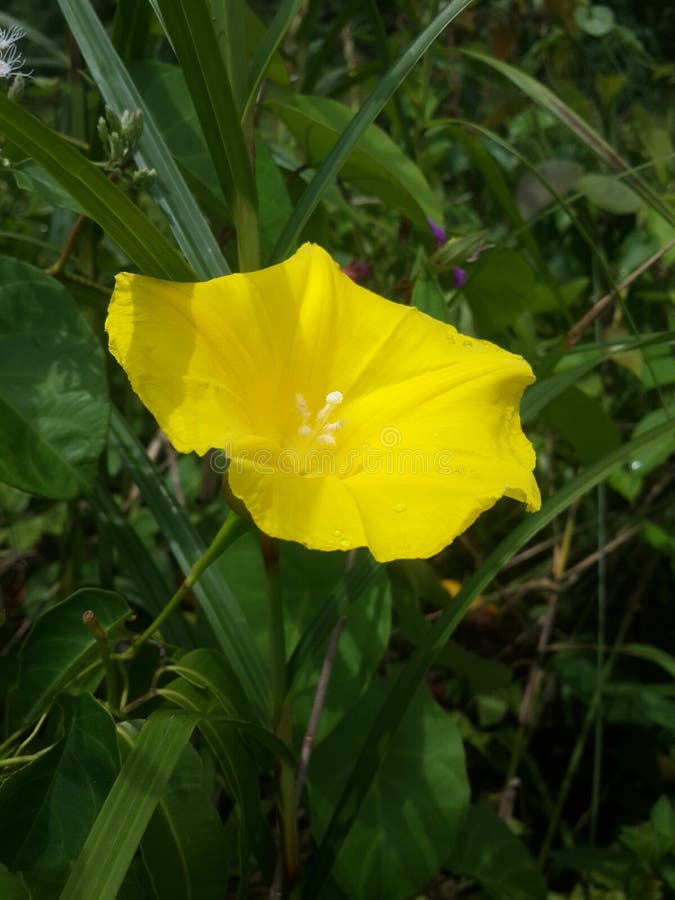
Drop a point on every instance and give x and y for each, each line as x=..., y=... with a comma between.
x=347, y=420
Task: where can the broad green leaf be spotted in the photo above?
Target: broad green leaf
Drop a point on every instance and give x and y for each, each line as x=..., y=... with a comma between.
x=12, y=885
x=498, y=290
x=609, y=193
x=351, y=135
x=185, y=218
x=572, y=120
x=184, y=845
x=104, y=202
x=584, y=423
x=413, y=809
x=375, y=165
x=116, y=834
x=47, y=808
x=58, y=646
x=361, y=647
x=219, y=605
x=383, y=731
x=489, y=852
x=54, y=407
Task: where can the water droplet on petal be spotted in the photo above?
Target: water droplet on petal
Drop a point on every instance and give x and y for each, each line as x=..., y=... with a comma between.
x=467, y=343
x=400, y=508
x=344, y=543
x=337, y=532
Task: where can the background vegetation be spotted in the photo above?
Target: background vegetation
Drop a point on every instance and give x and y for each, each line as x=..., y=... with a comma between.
x=536, y=756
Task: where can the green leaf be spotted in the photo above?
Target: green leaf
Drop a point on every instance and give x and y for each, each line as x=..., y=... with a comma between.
x=375, y=165
x=428, y=297
x=59, y=645
x=186, y=219
x=104, y=202
x=498, y=290
x=116, y=834
x=266, y=49
x=12, y=886
x=380, y=737
x=584, y=423
x=413, y=809
x=489, y=852
x=47, y=809
x=189, y=26
x=54, y=407
x=351, y=135
x=217, y=602
x=572, y=120
x=609, y=193
x=184, y=847
x=138, y=563
x=29, y=176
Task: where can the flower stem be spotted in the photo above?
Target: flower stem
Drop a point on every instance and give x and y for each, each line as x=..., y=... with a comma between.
x=232, y=528
x=282, y=717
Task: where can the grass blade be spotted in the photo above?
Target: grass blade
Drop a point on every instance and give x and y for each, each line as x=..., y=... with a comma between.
x=190, y=29
x=187, y=222
x=102, y=201
x=411, y=675
x=223, y=613
x=101, y=866
x=546, y=98
x=366, y=115
x=266, y=50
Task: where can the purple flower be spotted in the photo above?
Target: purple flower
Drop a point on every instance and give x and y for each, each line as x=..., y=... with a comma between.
x=438, y=232
x=460, y=276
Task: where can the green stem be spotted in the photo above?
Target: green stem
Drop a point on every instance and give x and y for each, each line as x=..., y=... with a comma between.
x=282, y=714
x=232, y=528
x=93, y=626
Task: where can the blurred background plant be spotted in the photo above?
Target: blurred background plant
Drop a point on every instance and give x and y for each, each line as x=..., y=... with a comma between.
x=517, y=184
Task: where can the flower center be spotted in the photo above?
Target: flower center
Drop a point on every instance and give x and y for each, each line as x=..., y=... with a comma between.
x=319, y=430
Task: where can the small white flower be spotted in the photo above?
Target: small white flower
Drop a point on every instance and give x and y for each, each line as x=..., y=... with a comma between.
x=11, y=60
x=9, y=37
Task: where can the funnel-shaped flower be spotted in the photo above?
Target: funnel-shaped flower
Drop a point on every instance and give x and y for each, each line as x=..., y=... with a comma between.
x=348, y=420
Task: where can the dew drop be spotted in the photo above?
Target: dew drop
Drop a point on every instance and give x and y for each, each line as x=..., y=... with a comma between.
x=344, y=543
x=337, y=532
x=467, y=343
x=400, y=508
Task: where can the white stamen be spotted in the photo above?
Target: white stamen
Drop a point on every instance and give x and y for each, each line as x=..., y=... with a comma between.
x=333, y=399
x=334, y=426
x=326, y=439
x=304, y=430
x=302, y=407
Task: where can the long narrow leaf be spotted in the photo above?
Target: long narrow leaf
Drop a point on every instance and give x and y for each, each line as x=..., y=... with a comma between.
x=223, y=613
x=266, y=50
x=546, y=98
x=190, y=29
x=365, y=116
x=100, y=869
x=379, y=739
x=102, y=201
x=186, y=219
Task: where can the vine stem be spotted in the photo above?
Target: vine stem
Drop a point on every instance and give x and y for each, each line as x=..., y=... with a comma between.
x=282, y=714
x=231, y=529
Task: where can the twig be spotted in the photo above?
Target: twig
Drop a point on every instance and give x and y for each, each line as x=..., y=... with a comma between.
x=575, y=332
